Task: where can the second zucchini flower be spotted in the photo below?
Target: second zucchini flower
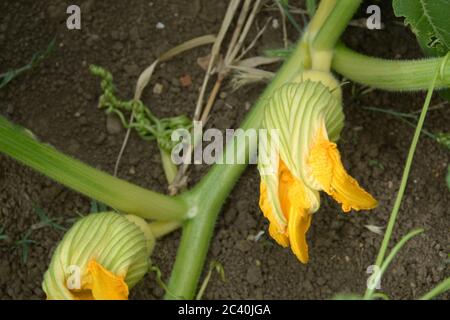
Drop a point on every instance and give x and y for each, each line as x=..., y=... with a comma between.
x=302, y=159
x=101, y=257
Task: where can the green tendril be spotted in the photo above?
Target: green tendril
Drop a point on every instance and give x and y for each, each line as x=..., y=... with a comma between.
x=146, y=124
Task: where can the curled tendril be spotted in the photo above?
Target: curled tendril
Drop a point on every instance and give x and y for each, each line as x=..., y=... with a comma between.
x=146, y=124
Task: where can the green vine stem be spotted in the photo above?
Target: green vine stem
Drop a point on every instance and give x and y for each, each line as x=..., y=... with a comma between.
x=335, y=24
x=119, y=194
x=392, y=75
x=162, y=228
x=210, y=194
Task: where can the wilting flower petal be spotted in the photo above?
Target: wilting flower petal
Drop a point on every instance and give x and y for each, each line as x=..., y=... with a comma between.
x=326, y=166
x=296, y=205
x=276, y=230
x=299, y=224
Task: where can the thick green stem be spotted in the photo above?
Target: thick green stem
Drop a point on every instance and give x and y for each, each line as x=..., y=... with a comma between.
x=117, y=193
x=317, y=21
x=335, y=24
x=406, y=75
x=210, y=194
x=325, y=29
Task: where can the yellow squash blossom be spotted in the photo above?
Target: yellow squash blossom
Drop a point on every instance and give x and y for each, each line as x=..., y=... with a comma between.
x=300, y=158
x=100, y=258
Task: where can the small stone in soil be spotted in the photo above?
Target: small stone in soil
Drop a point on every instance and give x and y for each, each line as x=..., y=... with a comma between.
x=100, y=138
x=113, y=125
x=243, y=246
x=158, y=88
x=253, y=274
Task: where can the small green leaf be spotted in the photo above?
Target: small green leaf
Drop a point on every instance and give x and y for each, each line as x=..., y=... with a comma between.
x=45, y=220
x=8, y=76
x=429, y=21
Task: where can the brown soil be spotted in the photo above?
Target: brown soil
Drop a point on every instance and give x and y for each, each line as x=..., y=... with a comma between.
x=57, y=101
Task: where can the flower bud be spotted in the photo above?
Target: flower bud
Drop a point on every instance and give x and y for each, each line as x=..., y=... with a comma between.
x=101, y=257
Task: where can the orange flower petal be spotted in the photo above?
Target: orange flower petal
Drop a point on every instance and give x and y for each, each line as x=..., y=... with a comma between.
x=295, y=206
x=275, y=230
x=281, y=238
x=298, y=226
x=285, y=183
x=103, y=284
x=326, y=167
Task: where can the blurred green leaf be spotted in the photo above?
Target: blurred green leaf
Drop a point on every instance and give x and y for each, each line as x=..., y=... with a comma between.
x=45, y=220
x=6, y=77
x=429, y=21
x=24, y=244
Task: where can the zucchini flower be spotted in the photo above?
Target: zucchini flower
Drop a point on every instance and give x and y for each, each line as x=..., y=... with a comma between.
x=299, y=158
x=101, y=257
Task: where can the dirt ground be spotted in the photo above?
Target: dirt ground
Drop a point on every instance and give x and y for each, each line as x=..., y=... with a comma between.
x=58, y=99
